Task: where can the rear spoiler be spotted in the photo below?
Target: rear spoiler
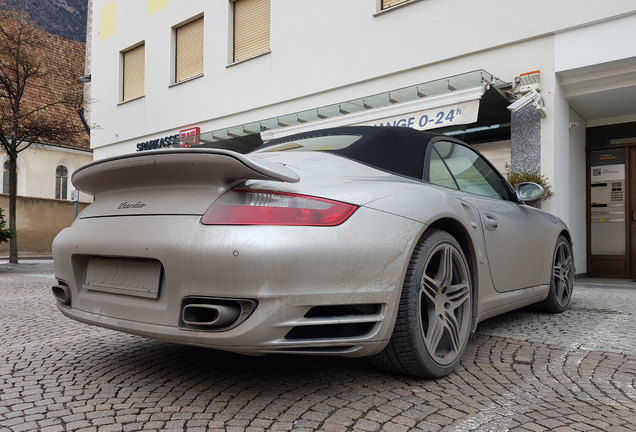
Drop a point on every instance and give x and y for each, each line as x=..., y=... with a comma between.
x=178, y=165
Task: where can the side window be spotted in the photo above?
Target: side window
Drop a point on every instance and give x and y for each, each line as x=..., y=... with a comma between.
x=438, y=172
x=471, y=172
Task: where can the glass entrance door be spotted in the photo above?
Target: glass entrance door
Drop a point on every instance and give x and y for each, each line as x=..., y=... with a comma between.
x=631, y=211
x=607, y=213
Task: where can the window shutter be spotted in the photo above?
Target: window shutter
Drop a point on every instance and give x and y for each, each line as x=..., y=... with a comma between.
x=251, y=28
x=134, y=72
x=390, y=3
x=189, y=55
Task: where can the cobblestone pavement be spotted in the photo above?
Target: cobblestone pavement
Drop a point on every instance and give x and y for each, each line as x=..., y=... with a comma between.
x=523, y=371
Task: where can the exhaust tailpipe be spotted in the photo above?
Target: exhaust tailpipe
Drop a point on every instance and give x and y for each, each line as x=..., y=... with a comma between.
x=210, y=315
x=61, y=294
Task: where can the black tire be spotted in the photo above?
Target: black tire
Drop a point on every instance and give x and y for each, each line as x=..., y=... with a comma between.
x=433, y=320
x=562, y=279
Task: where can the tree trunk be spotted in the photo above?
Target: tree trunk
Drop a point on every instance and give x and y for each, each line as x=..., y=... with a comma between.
x=13, y=192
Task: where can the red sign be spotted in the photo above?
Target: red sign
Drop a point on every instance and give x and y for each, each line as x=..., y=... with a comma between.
x=189, y=137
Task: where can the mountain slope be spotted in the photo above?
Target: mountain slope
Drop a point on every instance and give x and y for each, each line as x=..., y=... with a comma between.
x=66, y=18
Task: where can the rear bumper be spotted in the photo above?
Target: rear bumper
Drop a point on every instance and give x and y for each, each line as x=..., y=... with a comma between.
x=286, y=270
x=351, y=347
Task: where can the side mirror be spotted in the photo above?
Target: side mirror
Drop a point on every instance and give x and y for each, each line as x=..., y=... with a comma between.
x=528, y=192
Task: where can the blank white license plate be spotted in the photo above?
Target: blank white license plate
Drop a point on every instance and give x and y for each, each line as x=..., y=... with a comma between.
x=136, y=278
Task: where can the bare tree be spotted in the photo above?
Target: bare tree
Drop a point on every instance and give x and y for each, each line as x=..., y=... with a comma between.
x=33, y=109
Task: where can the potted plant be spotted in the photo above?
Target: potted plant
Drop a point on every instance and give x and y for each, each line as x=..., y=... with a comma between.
x=521, y=176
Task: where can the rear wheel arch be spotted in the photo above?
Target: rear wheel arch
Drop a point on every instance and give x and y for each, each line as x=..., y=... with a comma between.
x=434, y=314
x=566, y=234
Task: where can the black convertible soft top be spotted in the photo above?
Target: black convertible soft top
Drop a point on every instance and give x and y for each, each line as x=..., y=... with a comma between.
x=397, y=149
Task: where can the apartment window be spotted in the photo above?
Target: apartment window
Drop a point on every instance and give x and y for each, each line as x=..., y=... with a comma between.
x=134, y=66
x=189, y=50
x=390, y=3
x=5, y=176
x=251, y=28
x=61, y=180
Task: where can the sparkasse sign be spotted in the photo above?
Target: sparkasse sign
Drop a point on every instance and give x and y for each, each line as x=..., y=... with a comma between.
x=185, y=138
x=169, y=141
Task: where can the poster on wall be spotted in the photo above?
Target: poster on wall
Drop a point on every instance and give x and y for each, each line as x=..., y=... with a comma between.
x=607, y=202
x=607, y=165
x=607, y=173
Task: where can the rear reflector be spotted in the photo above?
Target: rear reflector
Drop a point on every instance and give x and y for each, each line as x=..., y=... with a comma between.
x=248, y=207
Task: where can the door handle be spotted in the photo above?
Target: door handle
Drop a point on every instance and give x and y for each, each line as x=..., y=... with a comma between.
x=490, y=222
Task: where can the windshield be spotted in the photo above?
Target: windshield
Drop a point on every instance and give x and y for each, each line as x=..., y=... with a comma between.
x=321, y=143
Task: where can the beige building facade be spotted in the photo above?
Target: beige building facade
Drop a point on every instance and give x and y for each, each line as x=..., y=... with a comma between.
x=43, y=206
x=44, y=171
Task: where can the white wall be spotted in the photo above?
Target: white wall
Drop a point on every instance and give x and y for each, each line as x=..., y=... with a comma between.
x=555, y=153
x=568, y=174
x=321, y=53
x=596, y=65
x=36, y=169
x=595, y=44
x=577, y=193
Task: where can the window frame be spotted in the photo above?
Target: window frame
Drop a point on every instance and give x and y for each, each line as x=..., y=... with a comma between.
x=21, y=170
x=380, y=10
x=429, y=157
x=5, y=176
x=122, y=76
x=173, y=51
x=63, y=187
x=232, y=36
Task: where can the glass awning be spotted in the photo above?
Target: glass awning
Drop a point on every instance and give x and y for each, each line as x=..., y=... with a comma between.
x=246, y=136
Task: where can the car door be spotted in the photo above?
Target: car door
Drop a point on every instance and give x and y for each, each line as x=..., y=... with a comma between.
x=514, y=233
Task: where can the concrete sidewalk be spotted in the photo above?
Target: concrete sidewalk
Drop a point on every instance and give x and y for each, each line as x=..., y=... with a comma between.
x=605, y=283
x=28, y=257
x=4, y=259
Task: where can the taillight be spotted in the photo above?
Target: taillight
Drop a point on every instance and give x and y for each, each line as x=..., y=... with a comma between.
x=248, y=207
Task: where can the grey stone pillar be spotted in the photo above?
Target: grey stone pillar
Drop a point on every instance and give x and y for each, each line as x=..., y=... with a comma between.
x=88, y=62
x=525, y=136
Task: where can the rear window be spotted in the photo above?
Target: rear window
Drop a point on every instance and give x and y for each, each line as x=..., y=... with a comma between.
x=321, y=143
x=398, y=150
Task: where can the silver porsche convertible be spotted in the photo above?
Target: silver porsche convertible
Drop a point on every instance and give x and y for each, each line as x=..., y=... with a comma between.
x=389, y=243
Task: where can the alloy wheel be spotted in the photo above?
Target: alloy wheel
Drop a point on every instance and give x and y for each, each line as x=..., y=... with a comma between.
x=562, y=273
x=444, y=303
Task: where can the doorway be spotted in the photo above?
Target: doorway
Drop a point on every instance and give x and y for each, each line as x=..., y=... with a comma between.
x=607, y=207
x=630, y=215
